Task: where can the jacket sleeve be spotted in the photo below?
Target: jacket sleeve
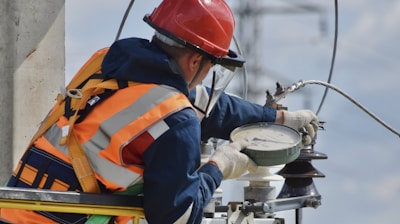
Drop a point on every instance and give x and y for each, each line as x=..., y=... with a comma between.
x=173, y=181
x=231, y=112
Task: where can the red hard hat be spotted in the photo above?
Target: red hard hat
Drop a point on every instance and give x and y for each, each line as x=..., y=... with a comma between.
x=206, y=25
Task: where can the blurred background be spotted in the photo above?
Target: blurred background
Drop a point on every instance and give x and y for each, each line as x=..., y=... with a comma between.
x=287, y=41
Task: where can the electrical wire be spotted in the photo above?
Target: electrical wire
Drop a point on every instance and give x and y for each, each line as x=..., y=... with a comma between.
x=121, y=26
x=328, y=85
x=333, y=57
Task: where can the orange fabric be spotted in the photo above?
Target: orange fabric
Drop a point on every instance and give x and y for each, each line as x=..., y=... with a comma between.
x=92, y=66
x=122, y=219
x=42, y=143
x=45, y=145
x=18, y=216
x=29, y=173
x=81, y=164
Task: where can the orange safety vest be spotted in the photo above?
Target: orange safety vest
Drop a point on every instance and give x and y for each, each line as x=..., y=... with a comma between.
x=131, y=113
x=114, y=124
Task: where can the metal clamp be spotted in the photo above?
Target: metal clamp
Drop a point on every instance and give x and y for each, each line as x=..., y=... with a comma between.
x=74, y=93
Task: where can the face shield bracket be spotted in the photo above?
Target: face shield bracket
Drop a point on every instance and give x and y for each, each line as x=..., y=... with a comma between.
x=206, y=99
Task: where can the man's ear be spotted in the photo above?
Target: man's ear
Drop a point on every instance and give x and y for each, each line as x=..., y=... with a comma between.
x=194, y=61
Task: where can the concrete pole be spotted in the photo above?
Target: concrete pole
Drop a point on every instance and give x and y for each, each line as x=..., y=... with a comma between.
x=32, y=44
x=6, y=94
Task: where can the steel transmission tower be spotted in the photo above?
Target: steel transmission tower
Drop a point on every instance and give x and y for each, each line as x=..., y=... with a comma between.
x=250, y=15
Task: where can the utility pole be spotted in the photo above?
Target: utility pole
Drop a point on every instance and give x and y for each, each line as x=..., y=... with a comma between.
x=32, y=52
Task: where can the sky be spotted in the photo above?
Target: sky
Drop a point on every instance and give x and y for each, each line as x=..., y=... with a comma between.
x=362, y=183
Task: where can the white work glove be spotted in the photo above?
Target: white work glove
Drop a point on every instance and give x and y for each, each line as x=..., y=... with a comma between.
x=231, y=161
x=302, y=119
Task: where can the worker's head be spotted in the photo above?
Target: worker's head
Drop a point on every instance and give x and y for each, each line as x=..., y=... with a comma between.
x=204, y=27
x=194, y=66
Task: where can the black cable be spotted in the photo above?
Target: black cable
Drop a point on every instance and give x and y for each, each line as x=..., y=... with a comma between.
x=333, y=57
x=301, y=84
x=121, y=26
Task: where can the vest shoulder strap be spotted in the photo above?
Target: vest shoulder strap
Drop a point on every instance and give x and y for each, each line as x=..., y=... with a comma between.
x=92, y=66
x=78, y=92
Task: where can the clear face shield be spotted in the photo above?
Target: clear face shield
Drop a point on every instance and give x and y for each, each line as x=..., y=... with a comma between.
x=217, y=81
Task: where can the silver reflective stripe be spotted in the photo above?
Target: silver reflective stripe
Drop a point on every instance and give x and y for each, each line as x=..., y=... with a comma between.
x=53, y=135
x=101, y=139
x=158, y=129
x=112, y=171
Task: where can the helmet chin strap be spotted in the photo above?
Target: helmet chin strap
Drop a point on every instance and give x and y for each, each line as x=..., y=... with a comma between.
x=202, y=63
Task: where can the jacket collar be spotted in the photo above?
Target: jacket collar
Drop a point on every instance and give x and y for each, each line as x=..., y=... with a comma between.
x=139, y=60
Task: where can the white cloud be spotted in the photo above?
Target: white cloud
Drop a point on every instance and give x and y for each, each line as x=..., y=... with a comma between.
x=388, y=187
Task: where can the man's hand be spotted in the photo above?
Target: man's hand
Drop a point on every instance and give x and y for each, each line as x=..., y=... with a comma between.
x=231, y=161
x=301, y=119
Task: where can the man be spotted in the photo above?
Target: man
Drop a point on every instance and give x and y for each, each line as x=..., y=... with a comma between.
x=147, y=131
